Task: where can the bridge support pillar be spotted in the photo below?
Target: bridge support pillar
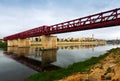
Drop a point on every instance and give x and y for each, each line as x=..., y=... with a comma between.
x=24, y=42
x=10, y=43
x=49, y=42
x=15, y=42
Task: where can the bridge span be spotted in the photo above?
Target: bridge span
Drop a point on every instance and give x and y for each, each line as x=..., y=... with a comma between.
x=101, y=20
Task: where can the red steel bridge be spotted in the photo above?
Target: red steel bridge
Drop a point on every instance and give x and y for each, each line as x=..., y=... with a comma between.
x=100, y=20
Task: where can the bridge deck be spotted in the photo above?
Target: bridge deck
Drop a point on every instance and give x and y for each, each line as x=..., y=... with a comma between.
x=100, y=20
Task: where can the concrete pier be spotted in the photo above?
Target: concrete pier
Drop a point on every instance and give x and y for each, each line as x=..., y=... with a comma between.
x=49, y=42
x=10, y=43
x=15, y=42
x=24, y=42
x=19, y=43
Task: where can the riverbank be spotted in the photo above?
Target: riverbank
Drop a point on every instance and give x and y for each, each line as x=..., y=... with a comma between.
x=77, y=68
x=82, y=43
x=107, y=69
x=73, y=43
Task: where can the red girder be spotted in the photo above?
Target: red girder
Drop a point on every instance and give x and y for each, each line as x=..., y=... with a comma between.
x=103, y=19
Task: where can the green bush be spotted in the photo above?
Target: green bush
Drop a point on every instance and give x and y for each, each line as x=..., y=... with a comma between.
x=3, y=44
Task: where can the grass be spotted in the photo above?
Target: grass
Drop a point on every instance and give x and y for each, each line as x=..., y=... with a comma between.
x=84, y=66
x=36, y=44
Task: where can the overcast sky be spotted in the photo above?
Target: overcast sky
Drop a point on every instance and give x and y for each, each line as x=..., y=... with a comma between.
x=20, y=15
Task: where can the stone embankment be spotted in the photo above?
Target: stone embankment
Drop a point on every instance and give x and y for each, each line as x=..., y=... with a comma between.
x=107, y=69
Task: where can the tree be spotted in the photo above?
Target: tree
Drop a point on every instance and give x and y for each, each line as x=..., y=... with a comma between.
x=3, y=44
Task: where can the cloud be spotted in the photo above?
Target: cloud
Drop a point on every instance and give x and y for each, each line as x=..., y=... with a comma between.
x=21, y=15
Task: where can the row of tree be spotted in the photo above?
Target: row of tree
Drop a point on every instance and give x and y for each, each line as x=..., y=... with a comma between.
x=3, y=44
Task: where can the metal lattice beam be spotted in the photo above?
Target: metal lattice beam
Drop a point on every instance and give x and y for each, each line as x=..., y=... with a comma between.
x=100, y=20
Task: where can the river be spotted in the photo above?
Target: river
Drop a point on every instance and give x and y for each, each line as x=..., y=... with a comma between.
x=16, y=64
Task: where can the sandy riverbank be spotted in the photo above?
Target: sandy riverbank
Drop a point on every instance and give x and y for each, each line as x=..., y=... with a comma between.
x=107, y=69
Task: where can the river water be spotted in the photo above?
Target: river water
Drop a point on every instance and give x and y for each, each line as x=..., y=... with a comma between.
x=16, y=64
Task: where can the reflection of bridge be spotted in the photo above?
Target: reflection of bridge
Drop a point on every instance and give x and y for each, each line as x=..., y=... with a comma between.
x=33, y=57
x=100, y=20
x=39, y=59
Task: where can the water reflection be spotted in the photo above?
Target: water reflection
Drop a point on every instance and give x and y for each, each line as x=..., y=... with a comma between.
x=78, y=47
x=33, y=57
x=18, y=51
x=61, y=57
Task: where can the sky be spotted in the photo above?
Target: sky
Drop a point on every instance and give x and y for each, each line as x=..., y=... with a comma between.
x=20, y=15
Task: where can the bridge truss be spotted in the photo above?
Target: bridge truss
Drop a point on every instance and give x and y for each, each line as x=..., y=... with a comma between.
x=100, y=20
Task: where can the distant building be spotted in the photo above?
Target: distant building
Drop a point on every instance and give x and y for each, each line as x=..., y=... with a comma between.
x=87, y=39
x=69, y=39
